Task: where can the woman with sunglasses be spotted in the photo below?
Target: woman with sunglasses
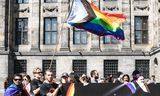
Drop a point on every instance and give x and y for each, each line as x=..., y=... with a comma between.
x=15, y=89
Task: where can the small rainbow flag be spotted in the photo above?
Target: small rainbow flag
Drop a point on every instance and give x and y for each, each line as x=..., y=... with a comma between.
x=71, y=90
x=84, y=15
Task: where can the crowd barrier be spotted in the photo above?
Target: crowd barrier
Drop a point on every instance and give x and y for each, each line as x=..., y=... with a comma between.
x=105, y=89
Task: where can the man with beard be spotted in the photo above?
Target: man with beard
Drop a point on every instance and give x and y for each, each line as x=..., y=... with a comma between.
x=94, y=76
x=49, y=87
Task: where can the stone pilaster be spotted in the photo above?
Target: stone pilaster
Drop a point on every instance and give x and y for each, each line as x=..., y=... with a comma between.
x=64, y=29
x=35, y=28
x=2, y=25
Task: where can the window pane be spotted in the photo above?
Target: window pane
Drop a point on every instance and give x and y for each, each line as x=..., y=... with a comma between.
x=106, y=40
x=54, y=35
x=138, y=37
x=145, y=23
x=47, y=25
x=145, y=37
x=141, y=30
x=22, y=1
x=138, y=23
x=80, y=67
x=76, y=37
x=47, y=38
x=143, y=67
x=54, y=24
x=20, y=66
x=110, y=67
x=21, y=31
x=114, y=41
x=50, y=30
x=25, y=38
x=84, y=37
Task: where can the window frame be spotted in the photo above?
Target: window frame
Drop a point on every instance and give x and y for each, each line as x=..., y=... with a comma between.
x=110, y=67
x=20, y=66
x=46, y=65
x=81, y=37
x=111, y=40
x=141, y=35
x=21, y=37
x=82, y=66
x=22, y=1
x=51, y=1
x=52, y=33
x=141, y=65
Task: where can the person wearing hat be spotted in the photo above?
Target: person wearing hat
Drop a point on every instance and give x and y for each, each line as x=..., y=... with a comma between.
x=65, y=78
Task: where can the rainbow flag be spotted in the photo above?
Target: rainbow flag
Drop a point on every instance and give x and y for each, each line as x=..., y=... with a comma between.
x=84, y=15
x=71, y=90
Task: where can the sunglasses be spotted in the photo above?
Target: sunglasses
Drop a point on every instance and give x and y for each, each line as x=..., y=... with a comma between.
x=17, y=79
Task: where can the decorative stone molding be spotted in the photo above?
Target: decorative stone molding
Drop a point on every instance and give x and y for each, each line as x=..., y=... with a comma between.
x=112, y=8
x=141, y=8
x=23, y=10
x=50, y=9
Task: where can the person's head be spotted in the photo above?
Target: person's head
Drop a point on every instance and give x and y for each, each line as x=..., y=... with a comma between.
x=73, y=77
x=37, y=72
x=126, y=78
x=120, y=74
x=26, y=79
x=84, y=78
x=17, y=79
x=49, y=75
x=140, y=79
x=65, y=78
x=136, y=74
x=94, y=74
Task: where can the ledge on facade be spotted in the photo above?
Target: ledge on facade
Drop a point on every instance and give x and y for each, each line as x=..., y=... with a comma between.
x=155, y=51
x=4, y=52
x=65, y=49
x=79, y=53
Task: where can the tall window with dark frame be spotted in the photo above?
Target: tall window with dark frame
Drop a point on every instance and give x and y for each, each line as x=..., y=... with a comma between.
x=47, y=64
x=80, y=67
x=20, y=66
x=50, y=1
x=79, y=36
x=22, y=1
x=21, y=36
x=109, y=40
x=50, y=30
x=141, y=29
x=143, y=67
x=110, y=67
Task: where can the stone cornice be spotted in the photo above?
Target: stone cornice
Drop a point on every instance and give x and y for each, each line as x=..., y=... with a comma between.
x=82, y=54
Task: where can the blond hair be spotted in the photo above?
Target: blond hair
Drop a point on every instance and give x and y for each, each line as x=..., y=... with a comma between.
x=35, y=70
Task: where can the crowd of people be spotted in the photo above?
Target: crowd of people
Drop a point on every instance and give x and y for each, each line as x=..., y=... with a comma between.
x=45, y=85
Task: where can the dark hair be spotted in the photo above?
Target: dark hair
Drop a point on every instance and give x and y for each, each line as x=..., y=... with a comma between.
x=28, y=77
x=17, y=75
x=136, y=74
x=119, y=74
x=92, y=73
x=127, y=76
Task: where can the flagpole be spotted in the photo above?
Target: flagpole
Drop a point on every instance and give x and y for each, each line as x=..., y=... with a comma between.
x=51, y=63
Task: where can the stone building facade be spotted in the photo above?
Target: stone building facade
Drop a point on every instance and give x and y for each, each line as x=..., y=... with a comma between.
x=34, y=33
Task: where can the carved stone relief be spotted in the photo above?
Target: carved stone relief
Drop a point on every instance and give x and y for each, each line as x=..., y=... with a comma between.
x=50, y=9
